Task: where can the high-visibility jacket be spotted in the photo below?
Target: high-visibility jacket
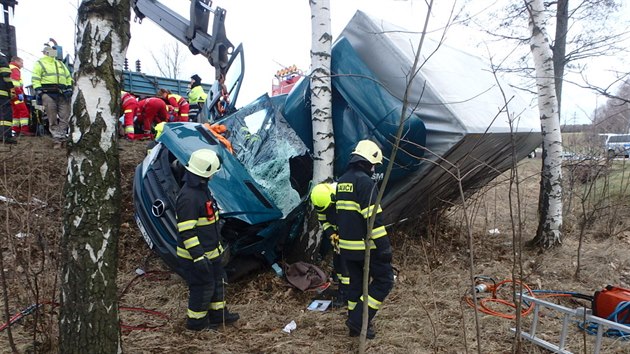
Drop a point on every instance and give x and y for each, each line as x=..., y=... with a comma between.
x=129, y=105
x=150, y=111
x=197, y=224
x=197, y=95
x=6, y=84
x=356, y=194
x=16, y=78
x=51, y=75
x=180, y=105
x=20, y=111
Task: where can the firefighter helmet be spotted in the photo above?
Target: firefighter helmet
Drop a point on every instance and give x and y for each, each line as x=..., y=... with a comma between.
x=159, y=128
x=368, y=150
x=322, y=196
x=204, y=163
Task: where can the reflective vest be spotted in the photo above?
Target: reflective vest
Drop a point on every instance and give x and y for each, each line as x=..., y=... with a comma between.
x=51, y=74
x=197, y=95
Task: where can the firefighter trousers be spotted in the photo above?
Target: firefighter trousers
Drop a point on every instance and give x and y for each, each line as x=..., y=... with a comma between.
x=206, y=293
x=381, y=283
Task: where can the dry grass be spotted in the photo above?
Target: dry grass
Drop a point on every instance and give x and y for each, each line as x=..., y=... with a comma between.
x=423, y=314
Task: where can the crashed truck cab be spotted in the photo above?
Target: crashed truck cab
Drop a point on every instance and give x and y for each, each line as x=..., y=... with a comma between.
x=259, y=189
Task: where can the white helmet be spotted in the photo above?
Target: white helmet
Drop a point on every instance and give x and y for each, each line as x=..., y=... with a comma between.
x=368, y=150
x=204, y=163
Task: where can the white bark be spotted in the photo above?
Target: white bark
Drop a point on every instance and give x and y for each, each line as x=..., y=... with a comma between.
x=321, y=92
x=550, y=205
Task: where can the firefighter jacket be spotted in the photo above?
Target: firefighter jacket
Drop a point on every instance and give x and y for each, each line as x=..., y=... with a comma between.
x=197, y=95
x=129, y=105
x=328, y=220
x=151, y=110
x=6, y=84
x=51, y=75
x=16, y=78
x=197, y=221
x=180, y=105
x=356, y=194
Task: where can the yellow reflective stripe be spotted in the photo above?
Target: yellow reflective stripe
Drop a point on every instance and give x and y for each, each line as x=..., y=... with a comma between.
x=183, y=253
x=343, y=280
x=327, y=225
x=129, y=129
x=204, y=221
x=4, y=93
x=23, y=121
x=184, y=114
x=128, y=110
x=186, y=225
x=321, y=217
x=197, y=315
x=379, y=232
x=6, y=123
x=220, y=305
x=367, y=212
x=373, y=303
x=348, y=205
x=354, y=245
x=351, y=305
x=191, y=242
x=215, y=252
x=5, y=69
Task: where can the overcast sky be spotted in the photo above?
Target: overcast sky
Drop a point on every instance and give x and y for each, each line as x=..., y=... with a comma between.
x=273, y=33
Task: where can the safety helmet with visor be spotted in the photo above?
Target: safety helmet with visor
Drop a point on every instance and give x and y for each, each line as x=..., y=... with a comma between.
x=369, y=151
x=204, y=163
x=159, y=128
x=323, y=195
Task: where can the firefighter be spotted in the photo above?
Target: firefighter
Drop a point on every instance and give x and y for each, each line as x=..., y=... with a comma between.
x=356, y=195
x=196, y=97
x=150, y=111
x=52, y=83
x=159, y=128
x=6, y=87
x=129, y=104
x=323, y=199
x=21, y=114
x=181, y=107
x=198, y=246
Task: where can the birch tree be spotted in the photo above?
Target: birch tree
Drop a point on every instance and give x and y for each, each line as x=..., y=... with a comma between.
x=89, y=320
x=321, y=110
x=549, y=231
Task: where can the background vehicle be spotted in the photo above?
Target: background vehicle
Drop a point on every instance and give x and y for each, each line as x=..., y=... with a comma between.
x=618, y=145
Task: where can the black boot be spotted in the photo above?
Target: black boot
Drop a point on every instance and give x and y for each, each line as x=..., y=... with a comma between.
x=9, y=140
x=218, y=317
x=197, y=324
x=355, y=331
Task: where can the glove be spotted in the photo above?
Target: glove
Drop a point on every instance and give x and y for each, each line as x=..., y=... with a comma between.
x=203, y=265
x=334, y=241
x=38, y=96
x=384, y=255
x=20, y=97
x=67, y=93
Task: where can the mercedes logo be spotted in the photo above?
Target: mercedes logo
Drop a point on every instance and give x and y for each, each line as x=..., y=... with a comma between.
x=158, y=207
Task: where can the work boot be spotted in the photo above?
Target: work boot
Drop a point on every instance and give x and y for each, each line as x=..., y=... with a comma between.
x=9, y=140
x=355, y=331
x=219, y=317
x=198, y=324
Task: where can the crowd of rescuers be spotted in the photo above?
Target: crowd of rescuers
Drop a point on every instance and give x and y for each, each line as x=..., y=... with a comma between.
x=141, y=116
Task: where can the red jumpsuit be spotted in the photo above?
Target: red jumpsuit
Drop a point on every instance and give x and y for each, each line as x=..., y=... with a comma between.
x=180, y=105
x=21, y=114
x=151, y=111
x=129, y=105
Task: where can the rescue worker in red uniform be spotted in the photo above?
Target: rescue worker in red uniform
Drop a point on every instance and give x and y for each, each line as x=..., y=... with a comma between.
x=150, y=111
x=21, y=114
x=129, y=104
x=356, y=195
x=198, y=245
x=324, y=200
x=181, y=108
x=6, y=116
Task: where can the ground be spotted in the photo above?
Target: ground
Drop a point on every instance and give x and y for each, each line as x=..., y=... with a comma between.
x=425, y=313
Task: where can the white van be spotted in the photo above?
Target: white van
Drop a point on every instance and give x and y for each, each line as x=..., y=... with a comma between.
x=618, y=145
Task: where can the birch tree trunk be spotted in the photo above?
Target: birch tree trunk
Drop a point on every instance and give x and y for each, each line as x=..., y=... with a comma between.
x=321, y=115
x=89, y=321
x=549, y=231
